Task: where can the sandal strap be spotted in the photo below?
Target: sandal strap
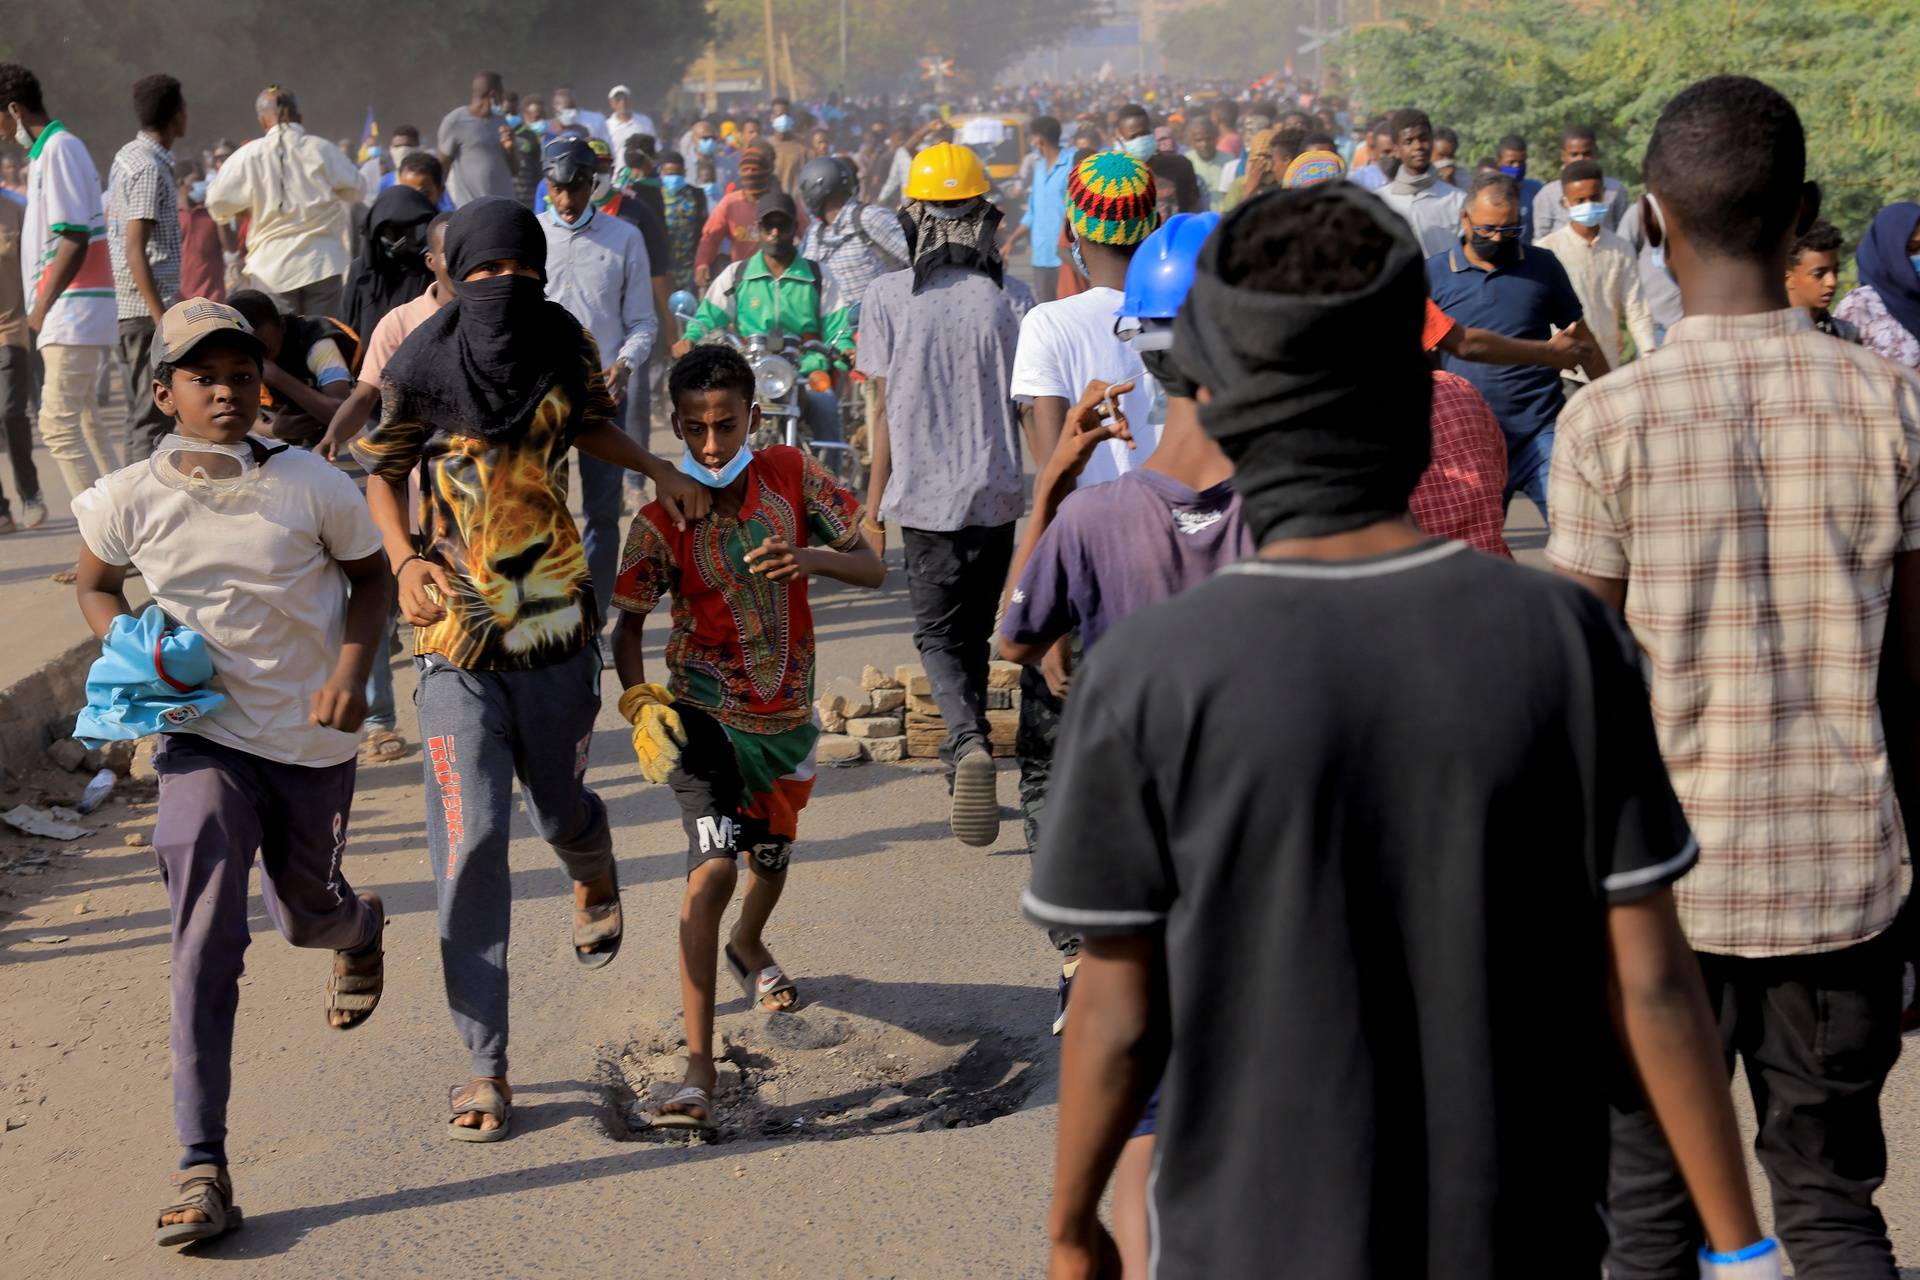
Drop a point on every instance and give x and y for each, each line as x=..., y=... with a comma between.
x=478, y=1095
x=202, y=1187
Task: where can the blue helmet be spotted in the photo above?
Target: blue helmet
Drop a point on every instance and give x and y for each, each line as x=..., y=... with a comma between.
x=1163, y=266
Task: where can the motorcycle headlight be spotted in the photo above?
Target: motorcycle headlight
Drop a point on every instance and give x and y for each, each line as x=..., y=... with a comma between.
x=774, y=377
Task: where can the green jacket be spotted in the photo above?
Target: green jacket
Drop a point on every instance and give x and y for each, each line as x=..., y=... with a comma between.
x=803, y=302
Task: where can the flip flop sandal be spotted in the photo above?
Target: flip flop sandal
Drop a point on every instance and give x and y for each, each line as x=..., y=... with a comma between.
x=600, y=926
x=478, y=1097
x=383, y=745
x=689, y=1095
x=204, y=1187
x=764, y=985
x=357, y=981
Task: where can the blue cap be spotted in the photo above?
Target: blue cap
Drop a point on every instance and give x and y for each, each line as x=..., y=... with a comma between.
x=567, y=158
x=1162, y=268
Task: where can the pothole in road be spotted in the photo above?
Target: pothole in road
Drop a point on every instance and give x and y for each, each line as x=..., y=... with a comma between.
x=822, y=1074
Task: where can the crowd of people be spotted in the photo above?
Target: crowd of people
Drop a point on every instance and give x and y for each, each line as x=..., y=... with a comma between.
x=1412, y=907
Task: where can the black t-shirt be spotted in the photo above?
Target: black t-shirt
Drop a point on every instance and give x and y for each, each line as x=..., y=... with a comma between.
x=1379, y=809
x=652, y=225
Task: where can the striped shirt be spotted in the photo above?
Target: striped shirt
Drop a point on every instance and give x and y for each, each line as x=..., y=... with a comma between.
x=1752, y=481
x=140, y=186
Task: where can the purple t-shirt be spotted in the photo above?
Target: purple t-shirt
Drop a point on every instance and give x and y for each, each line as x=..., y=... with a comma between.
x=1118, y=547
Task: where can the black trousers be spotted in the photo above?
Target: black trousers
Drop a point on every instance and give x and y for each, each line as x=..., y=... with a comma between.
x=16, y=388
x=145, y=423
x=954, y=581
x=1817, y=1035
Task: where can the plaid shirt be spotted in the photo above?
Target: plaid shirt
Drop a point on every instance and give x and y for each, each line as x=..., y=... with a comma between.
x=856, y=260
x=140, y=186
x=1752, y=481
x=1462, y=494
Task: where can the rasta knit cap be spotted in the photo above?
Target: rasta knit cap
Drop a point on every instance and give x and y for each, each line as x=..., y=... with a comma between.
x=1311, y=168
x=1110, y=199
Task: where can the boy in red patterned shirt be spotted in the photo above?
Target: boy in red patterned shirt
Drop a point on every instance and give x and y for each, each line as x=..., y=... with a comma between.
x=733, y=733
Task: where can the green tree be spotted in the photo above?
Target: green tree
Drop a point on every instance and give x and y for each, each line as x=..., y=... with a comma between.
x=1532, y=66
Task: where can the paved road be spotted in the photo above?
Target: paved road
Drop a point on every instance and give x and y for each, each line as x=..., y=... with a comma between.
x=905, y=943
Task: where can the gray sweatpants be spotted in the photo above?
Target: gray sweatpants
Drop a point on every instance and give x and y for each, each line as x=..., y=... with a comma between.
x=218, y=807
x=479, y=730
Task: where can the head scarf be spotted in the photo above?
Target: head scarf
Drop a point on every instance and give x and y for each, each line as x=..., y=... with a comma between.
x=1884, y=263
x=1320, y=400
x=391, y=268
x=940, y=239
x=1110, y=199
x=1311, y=168
x=482, y=364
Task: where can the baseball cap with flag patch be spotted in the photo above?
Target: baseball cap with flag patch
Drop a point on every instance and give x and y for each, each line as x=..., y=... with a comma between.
x=192, y=321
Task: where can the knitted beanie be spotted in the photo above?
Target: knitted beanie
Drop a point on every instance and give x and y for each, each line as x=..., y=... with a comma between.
x=1110, y=199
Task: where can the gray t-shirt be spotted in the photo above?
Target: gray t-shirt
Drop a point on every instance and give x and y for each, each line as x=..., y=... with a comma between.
x=476, y=162
x=1661, y=290
x=947, y=355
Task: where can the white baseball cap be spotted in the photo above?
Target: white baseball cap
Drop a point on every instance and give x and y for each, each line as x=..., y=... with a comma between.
x=619, y=91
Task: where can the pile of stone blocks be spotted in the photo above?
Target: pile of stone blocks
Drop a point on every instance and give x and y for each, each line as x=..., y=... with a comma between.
x=890, y=718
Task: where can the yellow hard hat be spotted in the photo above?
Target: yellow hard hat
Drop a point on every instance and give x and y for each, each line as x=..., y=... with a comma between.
x=946, y=171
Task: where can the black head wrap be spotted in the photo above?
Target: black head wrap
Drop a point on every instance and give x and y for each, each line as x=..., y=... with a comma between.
x=481, y=365
x=1320, y=400
x=970, y=241
x=390, y=269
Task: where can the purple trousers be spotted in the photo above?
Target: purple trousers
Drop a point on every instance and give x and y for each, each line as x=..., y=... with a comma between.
x=218, y=807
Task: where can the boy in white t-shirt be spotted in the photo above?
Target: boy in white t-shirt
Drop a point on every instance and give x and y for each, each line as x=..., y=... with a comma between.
x=270, y=555
x=1064, y=346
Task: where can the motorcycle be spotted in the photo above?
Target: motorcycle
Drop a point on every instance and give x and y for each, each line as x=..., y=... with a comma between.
x=778, y=385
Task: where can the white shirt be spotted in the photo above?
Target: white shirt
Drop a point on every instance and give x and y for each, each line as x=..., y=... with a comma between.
x=297, y=188
x=1606, y=274
x=1433, y=214
x=1065, y=345
x=618, y=132
x=63, y=194
x=255, y=574
x=600, y=274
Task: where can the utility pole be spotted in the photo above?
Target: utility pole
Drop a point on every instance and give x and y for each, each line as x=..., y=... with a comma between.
x=773, y=56
x=712, y=61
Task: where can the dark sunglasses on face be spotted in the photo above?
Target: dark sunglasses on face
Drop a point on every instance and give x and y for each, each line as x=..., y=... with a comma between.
x=1504, y=232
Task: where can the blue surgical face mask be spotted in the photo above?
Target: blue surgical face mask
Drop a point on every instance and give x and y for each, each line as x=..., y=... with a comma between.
x=1140, y=148
x=672, y=182
x=197, y=193
x=582, y=221
x=569, y=115
x=1590, y=214
x=495, y=109
x=1915, y=260
x=515, y=120
x=1515, y=171
x=707, y=146
x=1079, y=259
x=538, y=126
x=781, y=123
x=689, y=465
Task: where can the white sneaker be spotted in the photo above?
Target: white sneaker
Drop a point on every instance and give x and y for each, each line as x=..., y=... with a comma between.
x=33, y=513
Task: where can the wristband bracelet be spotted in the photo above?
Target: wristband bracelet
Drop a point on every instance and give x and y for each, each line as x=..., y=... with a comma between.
x=1760, y=1260
x=872, y=526
x=1758, y=1249
x=404, y=563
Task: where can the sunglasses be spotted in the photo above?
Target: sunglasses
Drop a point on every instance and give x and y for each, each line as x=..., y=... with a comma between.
x=1507, y=232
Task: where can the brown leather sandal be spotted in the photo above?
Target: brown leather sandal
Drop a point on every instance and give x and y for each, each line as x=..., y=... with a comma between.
x=599, y=928
x=208, y=1189
x=357, y=980
x=478, y=1096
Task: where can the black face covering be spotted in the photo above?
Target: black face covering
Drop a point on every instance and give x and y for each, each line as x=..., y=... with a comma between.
x=1166, y=371
x=1320, y=400
x=481, y=364
x=1501, y=253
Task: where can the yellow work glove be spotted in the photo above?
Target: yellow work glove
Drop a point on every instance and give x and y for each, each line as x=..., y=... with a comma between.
x=658, y=735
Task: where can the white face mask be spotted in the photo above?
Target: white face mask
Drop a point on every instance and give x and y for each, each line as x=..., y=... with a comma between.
x=1590, y=214
x=602, y=186
x=20, y=134
x=569, y=115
